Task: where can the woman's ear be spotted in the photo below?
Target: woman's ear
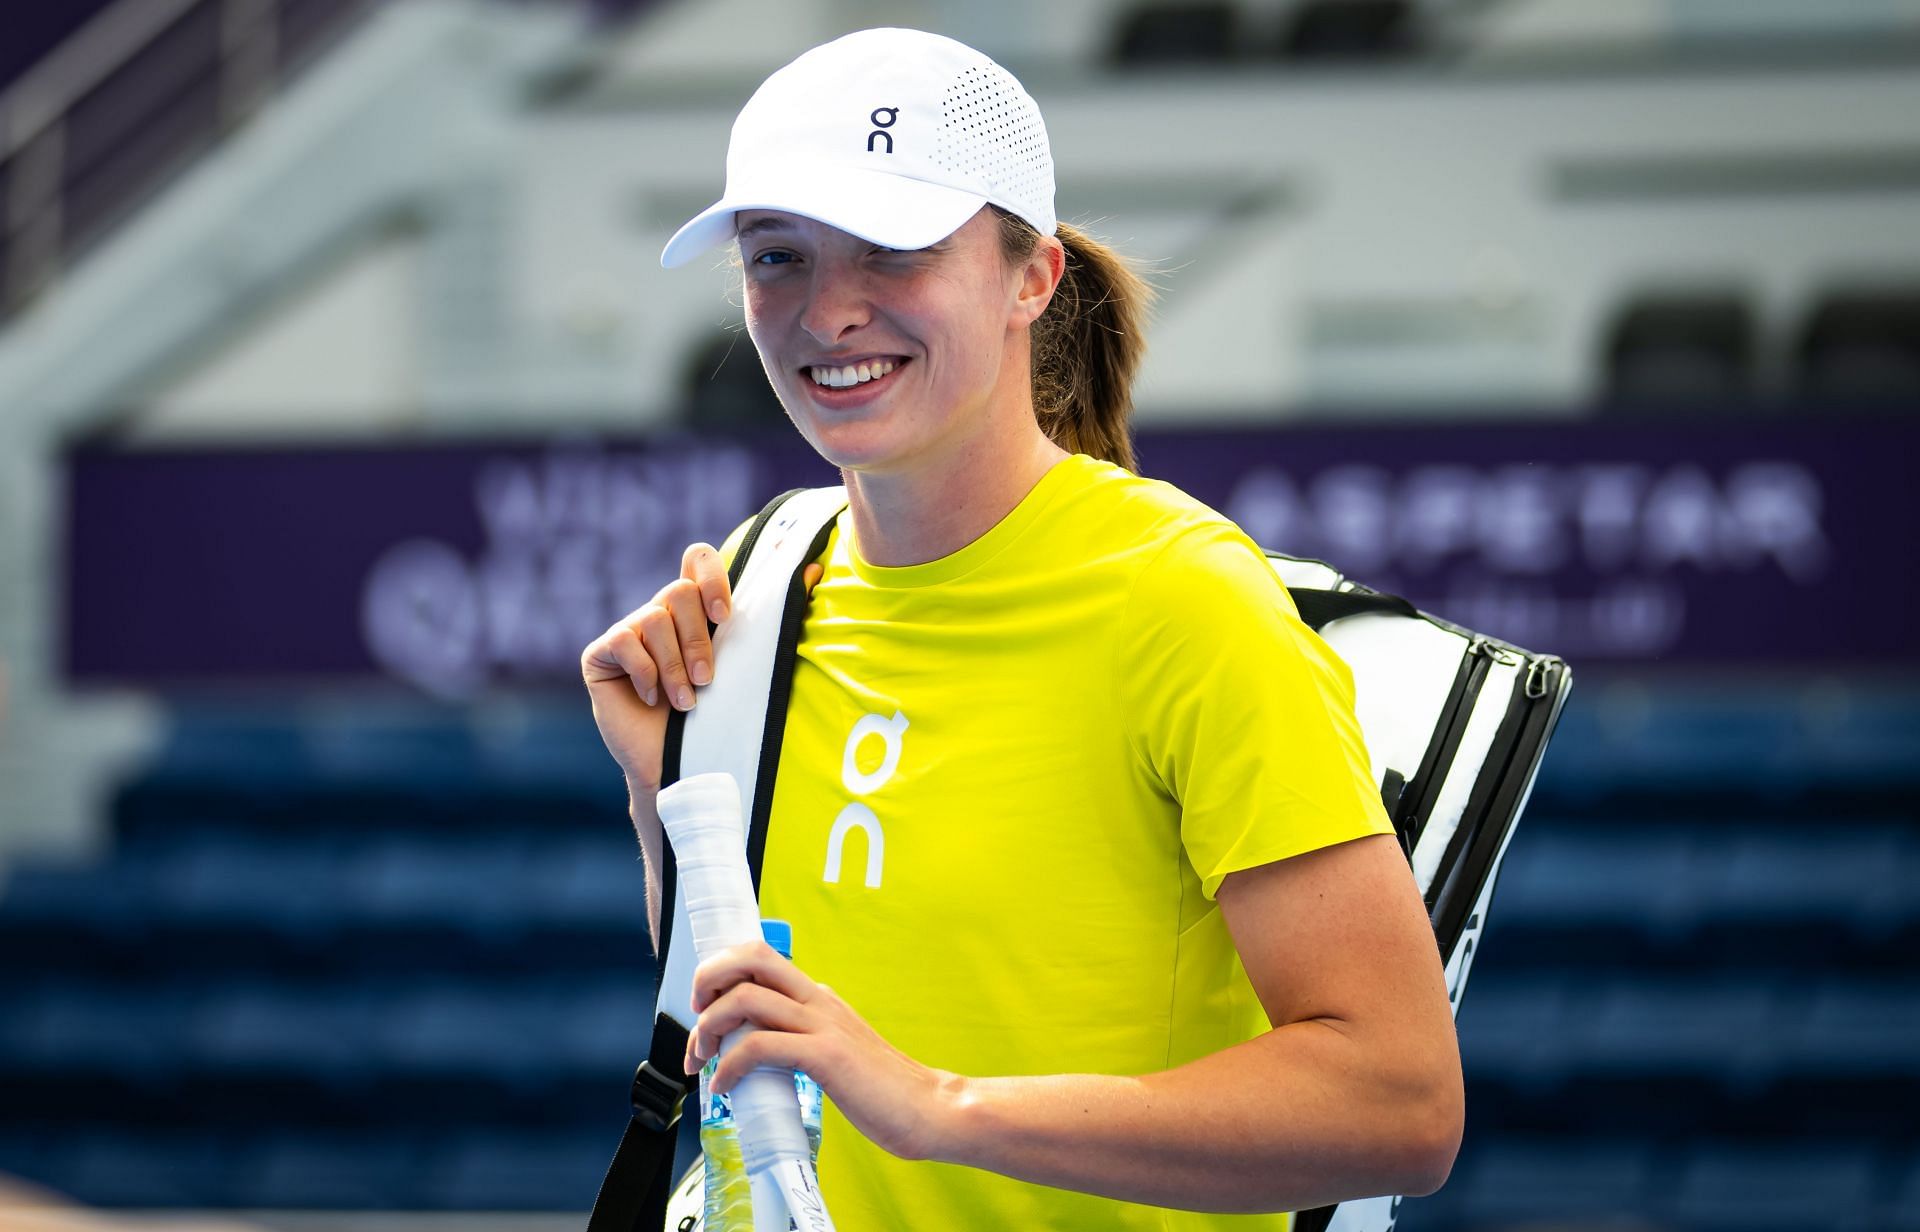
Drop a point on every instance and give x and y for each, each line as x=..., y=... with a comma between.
x=1040, y=276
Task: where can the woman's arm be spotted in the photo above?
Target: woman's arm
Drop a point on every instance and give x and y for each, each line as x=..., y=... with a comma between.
x=1356, y=1091
x=653, y=658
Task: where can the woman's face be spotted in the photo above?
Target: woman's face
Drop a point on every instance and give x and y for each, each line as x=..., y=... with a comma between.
x=887, y=359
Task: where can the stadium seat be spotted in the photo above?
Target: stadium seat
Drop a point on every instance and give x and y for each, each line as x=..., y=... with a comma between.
x=1868, y=1027
x=726, y=390
x=1162, y=35
x=86, y=1025
x=1350, y=30
x=1553, y=1181
x=1790, y=1187
x=159, y=1168
x=291, y=887
x=1698, y=349
x=323, y=1031
x=475, y=884
x=1847, y=871
x=446, y=1027
x=1637, y=878
x=517, y=1170
x=1862, y=346
x=1516, y=1030
x=357, y=1170
x=586, y=883
x=1722, y=1026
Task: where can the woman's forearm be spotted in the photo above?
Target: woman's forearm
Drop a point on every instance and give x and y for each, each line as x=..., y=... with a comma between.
x=647, y=827
x=1299, y=1117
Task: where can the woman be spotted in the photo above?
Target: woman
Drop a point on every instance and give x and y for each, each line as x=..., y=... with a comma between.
x=1110, y=909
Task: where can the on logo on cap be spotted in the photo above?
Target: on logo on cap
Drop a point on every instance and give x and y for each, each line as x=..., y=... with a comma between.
x=892, y=114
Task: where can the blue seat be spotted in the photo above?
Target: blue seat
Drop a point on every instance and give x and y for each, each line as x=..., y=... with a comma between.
x=1724, y=1026
x=1857, y=1027
x=1508, y=1181
x=104, y=898
x=1635, y=878
x=1516, y=1031
x=480, y=885
x=83, y=1025
x=161, y=1168
x=1815, y=1183
x=290, y=887
x=361, y=1169
x=1846, y=870
x=22, y=1153
x=1729, y=741
x=448, y=1028
x=519, y=1170
x=591, y=883
x=1902, y=1208
x=598, y=1027
x=325, y=1032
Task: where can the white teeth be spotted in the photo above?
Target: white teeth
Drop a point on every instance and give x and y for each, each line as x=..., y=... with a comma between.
x=852, y=374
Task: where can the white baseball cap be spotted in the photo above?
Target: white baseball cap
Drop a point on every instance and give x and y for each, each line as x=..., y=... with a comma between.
x=897, y=136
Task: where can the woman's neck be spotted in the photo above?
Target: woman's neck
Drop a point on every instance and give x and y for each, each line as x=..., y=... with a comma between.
x=910, y=519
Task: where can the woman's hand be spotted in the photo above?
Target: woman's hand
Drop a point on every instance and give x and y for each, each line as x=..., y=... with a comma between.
x=899, y=1104
x=651, y=659
x=654, y=657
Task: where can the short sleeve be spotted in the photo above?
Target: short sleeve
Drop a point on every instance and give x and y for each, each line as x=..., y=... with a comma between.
x=732, y=543
x=1241, y=712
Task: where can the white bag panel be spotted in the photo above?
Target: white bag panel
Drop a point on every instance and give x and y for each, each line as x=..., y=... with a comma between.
x=688, y=1201
x=1403, y=671
x=1460, y=962
x=1489, y=709
x=744, y=647
x=1365, y=1215
x=1306, y=574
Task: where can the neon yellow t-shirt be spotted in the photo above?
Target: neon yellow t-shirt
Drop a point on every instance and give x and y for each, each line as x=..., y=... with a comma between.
x=1011, y=783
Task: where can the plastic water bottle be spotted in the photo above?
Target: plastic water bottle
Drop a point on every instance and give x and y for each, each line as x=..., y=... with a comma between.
x=730, y=1205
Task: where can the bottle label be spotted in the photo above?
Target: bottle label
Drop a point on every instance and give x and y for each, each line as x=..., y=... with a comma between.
x=713, y=1105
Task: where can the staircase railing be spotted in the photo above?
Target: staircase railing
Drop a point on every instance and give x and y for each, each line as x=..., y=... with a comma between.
x=124, y=104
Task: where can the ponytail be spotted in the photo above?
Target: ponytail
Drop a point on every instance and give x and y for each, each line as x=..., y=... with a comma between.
x=1087, y=345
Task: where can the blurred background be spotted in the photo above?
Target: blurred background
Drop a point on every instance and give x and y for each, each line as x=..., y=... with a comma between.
x=342, y=401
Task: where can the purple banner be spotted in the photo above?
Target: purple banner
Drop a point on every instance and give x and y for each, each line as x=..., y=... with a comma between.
x=455, y=569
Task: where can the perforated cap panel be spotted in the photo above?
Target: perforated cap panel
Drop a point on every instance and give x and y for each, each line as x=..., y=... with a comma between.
x=991, y=132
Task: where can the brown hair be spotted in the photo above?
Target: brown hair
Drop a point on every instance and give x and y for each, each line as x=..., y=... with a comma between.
x=1087, y=344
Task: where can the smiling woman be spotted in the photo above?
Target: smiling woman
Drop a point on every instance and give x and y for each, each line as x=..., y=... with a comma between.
x=1183, y=968
x=948, y=323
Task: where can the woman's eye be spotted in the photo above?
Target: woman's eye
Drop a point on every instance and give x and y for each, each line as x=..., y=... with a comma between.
x=773, y=257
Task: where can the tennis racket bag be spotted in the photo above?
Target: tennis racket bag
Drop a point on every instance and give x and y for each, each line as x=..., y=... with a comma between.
x=1455, y=724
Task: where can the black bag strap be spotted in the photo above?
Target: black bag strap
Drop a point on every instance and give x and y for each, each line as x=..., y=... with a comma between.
x=1319, y=608
x=633, y=1195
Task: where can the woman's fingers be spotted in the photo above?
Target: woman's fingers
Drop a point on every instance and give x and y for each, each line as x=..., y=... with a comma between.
x=756, y=963
x=791, y=1050
x=742, y=1005
x=701, y=565
x=619, y=652
x=675, y=635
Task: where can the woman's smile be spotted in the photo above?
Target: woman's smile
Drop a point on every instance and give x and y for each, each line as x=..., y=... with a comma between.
x=845, y=386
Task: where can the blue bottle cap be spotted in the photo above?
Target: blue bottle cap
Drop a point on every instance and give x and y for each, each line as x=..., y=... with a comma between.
x=779, y=935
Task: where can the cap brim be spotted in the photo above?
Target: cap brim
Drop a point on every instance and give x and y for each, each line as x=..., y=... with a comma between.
x=884, y=209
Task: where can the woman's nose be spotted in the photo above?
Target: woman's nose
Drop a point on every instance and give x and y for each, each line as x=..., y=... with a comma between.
x=837, y=306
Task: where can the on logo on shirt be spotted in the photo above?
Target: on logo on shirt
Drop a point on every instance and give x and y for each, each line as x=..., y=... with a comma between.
x=861, y=783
